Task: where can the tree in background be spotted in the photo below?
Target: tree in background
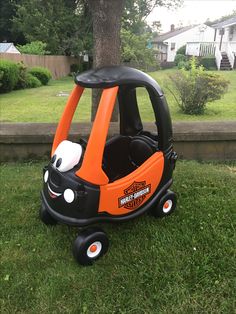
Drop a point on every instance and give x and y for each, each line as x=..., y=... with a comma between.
x=7, y=12
x=221, y=19
x=34, y=48
x=136, y=12
x=65, y=25
x=136, y=34
x=106, y=17
x=156, y=27
x=134, y=48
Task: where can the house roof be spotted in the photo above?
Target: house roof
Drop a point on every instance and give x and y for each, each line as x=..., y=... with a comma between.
x=173, y=33
x=225, y=23
x=5, y=46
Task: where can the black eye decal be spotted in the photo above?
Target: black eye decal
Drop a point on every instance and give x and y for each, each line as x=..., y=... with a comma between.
x=53, y=158
x=59, y=162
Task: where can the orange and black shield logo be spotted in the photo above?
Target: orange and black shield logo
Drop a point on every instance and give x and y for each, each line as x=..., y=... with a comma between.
x=134, y=195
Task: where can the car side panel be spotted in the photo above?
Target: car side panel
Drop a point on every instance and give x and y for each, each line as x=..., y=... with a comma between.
x=132, y=191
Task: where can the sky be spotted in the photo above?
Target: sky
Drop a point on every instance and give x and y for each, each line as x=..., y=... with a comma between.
x=192, y=12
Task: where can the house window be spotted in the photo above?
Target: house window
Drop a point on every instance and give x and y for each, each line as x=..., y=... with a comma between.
x=172, y=46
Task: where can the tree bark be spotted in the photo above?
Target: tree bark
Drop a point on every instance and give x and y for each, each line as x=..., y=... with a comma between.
x=106, y=18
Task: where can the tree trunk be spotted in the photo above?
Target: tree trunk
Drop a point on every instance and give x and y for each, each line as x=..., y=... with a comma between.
x=106, y=18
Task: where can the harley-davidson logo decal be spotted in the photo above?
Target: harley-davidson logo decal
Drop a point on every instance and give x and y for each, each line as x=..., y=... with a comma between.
x=134, y=195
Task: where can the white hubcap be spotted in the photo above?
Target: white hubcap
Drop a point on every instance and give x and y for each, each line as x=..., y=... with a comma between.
x=167, y=206
x=94, y=249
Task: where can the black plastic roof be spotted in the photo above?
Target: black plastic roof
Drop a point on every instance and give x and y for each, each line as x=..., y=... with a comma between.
x=115, y=76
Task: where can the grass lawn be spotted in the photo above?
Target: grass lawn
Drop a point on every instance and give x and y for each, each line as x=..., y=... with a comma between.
x=43, y=105
x=181, y=264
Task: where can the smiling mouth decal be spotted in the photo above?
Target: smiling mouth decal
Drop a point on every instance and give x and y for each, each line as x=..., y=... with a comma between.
x=52, y=193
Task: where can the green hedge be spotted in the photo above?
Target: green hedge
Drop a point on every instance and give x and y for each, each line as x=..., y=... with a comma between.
x=184, y=65
x=9, y=75
x=181, y=50
x=180, y=58
x=31, y=81
x=208, y=62
x=16, y=76
x=42, y=74
x=75, y=68
x=21, y=76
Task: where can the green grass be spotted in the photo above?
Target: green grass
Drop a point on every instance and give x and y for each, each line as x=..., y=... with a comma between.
x=181, y=264
x=43, y=104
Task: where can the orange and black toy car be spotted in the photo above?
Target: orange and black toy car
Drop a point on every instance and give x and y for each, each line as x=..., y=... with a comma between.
x=110, y=180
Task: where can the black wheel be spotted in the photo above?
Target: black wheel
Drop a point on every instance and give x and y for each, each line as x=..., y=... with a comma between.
x=166, y=205
x=46, y=218
x=90, y=245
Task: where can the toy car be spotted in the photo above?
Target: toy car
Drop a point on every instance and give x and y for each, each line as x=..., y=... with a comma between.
x=109, y=180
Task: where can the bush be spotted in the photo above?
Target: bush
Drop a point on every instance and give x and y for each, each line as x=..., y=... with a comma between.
x=75, y=68
x=195, y=88
x=135, y=49
x=181, y=50
x=166, y=65
x=181, y=65
x=15, y=76
x=184, y=65
x=31, y=81
x=26, y=80
x=180, y=58
x=208, y=62
x=22, y=75
x=1, y=76
x=42, y=74
x=35, y=48
x=9, y=76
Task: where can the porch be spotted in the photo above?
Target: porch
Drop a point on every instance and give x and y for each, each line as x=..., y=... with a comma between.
x=224, y=52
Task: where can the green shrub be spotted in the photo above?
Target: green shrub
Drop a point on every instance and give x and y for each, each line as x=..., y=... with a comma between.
x=1, y=76
x=35, y=48
x=22, y=76
x=181, y=64
x=181, y=50
x=166, y=65
x=208, y=62
x=184, y=65
x=42, y=74
x=9, y=76
x=26, y=79
x=75, y=67
x=31, y=81
x=179, y=58
x=135, y=49
x=195, y=88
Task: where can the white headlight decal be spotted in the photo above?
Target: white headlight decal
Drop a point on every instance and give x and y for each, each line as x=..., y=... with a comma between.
x=69, y=195
x=66, y=156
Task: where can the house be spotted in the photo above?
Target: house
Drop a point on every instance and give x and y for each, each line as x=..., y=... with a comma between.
x=222, y=45
x=166, y=45
x=8, y=48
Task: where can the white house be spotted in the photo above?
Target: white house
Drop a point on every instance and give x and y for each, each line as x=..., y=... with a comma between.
x=8, y=48
x=222, y=45
x=166, y=45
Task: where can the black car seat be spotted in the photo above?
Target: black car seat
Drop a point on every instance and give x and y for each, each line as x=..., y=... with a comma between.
x=141, y=148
